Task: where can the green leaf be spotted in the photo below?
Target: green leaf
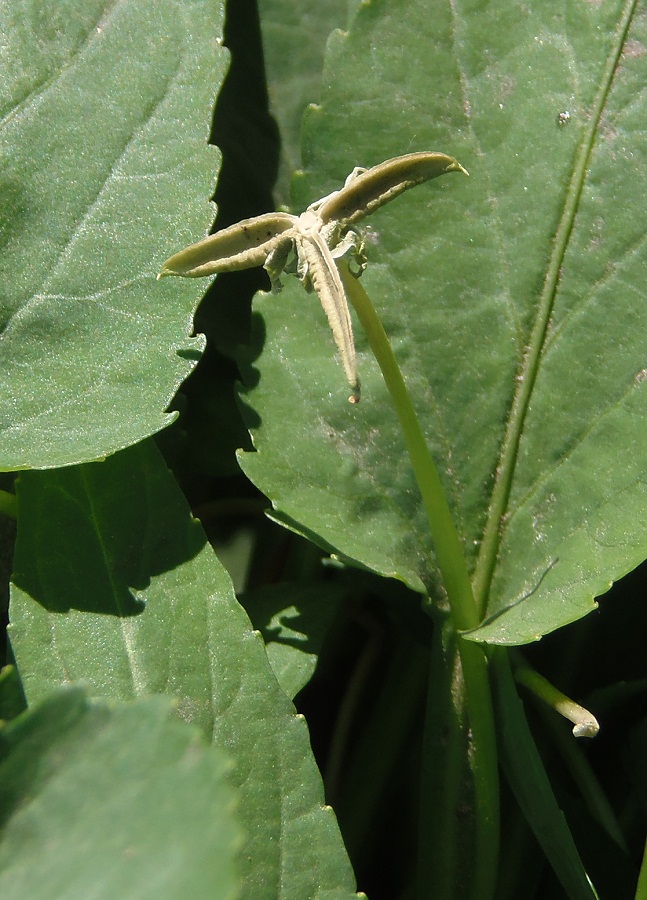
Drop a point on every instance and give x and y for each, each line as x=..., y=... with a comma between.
x=105, y=120
x=513, y=301
x=113, y=801
x=12, y=699
x=116, y=586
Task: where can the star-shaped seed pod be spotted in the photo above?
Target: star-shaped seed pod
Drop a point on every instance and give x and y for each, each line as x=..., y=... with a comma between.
x=315, y=239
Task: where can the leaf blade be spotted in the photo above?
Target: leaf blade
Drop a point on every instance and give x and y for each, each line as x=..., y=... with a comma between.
x=117, y=108
x=101, y=801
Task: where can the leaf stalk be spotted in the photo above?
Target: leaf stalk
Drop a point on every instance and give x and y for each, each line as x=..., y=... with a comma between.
x=463, y=613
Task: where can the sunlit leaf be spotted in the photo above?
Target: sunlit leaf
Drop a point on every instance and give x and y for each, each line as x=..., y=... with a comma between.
x=104, y=173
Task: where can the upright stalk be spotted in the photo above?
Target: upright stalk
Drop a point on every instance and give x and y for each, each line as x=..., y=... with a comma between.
x=447, y=545
x=8, y=504
x=463, y=610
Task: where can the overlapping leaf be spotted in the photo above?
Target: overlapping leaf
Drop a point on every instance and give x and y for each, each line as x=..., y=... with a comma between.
x=113, y=801
x=294, y=619
x=294, y=39
x=115, y=586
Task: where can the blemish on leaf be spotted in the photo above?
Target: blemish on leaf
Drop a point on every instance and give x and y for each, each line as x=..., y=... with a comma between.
x=633, y=49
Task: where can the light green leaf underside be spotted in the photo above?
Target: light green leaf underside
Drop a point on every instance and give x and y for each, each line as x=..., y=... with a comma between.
x=150, y=610
x=105, y=118
x=462, y=272
x=113, y=801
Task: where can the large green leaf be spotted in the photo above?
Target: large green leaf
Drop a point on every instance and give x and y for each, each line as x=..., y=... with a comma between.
x=104, y=172
x=513, y=301
x=113, y=801
x=115, y=586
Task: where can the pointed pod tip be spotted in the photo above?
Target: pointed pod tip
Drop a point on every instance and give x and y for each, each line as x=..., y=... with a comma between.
x=455, y=166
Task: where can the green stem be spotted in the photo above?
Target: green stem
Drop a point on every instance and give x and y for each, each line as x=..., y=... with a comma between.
x=447, y=545
x=484, y=764
x=381, y=748
x=585, y=723
x=456, y=580
x=8, y=505
x=442, y=869
x=547, y=698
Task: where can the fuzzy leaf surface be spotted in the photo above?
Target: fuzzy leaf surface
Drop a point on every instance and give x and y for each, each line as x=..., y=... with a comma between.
x=113, y=801
x=104, y=120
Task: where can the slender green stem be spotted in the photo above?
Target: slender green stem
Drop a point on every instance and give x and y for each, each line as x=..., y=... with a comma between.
x=456, y=580
x=485, y=767
x=584, y=722
x=584, y=778
x=442, y=872
x=526, y=775
x=356, y=689
x=8, y=504
x=382, y=747
x=548, y=699
x=447, y=545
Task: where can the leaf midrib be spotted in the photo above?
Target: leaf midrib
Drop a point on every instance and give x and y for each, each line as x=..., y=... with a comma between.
x=505, y=470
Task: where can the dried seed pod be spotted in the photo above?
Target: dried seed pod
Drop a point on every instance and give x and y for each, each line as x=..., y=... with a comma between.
x=327, y=283
x=366, y=191
x=241, y=246
x=319, y=235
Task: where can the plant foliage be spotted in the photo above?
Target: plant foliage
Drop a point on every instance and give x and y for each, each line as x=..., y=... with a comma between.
x=513, y=301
